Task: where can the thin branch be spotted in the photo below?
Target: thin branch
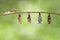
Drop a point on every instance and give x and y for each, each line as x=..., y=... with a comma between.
x=28, y=12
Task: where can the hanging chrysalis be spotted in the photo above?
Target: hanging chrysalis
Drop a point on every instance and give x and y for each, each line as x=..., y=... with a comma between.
x=29, y=18
x=39, y=18
x=19, y=18
x=49, y=18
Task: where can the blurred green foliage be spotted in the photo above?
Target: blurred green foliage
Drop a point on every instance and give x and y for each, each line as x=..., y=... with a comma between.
x=10, y=29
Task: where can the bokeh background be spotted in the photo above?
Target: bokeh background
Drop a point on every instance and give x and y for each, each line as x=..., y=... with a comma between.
x=10, y=29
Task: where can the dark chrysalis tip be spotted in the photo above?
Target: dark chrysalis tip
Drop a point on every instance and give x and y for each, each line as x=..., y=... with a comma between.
x=19, y=18
x=29, y=18
x=39, y=14
x=49, y=18
x=39, y=18
x=19, y=15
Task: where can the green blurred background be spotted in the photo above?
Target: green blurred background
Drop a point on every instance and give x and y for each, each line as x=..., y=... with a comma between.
x=10, y=29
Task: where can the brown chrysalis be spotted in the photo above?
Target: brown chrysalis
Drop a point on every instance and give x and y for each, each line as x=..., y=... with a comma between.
x=29, y=18
x=49, y=18
x=19, y=18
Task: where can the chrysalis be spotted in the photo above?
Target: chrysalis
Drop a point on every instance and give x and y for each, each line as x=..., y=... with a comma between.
x=19, y=18
x=29, y=18
x=39, y=18
x=49, y=18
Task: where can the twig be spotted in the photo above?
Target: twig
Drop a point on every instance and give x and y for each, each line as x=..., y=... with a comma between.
x=29, y=12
